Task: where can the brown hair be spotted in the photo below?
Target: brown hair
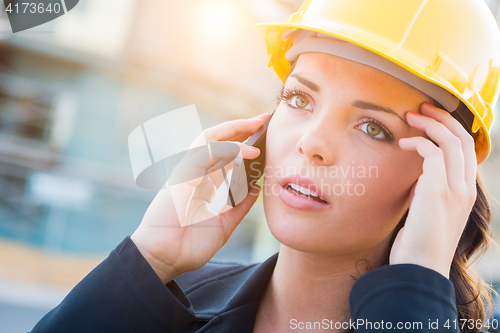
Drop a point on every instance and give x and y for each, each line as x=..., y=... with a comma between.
x=472, y=295
x=471, y=292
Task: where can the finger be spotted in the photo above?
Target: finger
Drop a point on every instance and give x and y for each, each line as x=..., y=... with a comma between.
x=412, y=193
x=207, y=188
x=449, y=145
x=241, y=138
x=433, y=167
x=230, y=217
x=247, y=152
x=199, y=175
x=244, y=137
x=197, y=161
x=192, y=203
x=467, y=141
x=207, y=159
x=229, y=130
x=220, y=157
x=263, y=116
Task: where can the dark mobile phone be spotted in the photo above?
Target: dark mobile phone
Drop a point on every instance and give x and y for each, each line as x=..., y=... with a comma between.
x=247, y=172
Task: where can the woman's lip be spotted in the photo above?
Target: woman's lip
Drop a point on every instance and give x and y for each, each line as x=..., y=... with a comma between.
x=304, y=182
x=296, y=201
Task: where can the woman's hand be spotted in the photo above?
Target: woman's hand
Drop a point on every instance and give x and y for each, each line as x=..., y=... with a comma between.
x=443, y=196
x=179, y=233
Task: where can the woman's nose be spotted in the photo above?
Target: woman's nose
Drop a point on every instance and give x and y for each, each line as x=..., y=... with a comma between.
x=316, y=145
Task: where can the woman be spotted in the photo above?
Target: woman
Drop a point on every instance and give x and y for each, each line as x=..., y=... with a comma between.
x=370, y=185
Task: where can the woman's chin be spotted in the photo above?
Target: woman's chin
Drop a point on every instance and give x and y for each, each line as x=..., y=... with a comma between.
x=321, y=235
x=299, y=233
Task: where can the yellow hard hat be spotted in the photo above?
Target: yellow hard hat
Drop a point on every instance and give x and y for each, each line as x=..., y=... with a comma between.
x=453, y=44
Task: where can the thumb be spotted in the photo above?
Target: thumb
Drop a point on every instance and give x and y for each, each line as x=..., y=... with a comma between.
x=412, y=193
x=230, y=217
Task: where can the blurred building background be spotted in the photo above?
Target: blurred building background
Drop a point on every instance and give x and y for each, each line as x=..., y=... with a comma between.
x=73, y=89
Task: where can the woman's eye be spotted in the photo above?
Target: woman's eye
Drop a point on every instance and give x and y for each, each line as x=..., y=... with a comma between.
x=296, y=99
x=299, y=101
x=376, y=130
x=372, y=129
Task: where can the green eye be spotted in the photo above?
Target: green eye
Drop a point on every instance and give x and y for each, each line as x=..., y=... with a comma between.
x=296, y=99
x=301, y=101
x=375, y=130
x=372, y=129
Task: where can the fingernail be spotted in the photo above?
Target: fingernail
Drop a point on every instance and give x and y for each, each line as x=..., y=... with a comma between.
x=430, y=105
x=254, y=148
x=418, y=114
x=260, y=115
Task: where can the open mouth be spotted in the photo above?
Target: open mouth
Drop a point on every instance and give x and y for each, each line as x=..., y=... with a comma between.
x=303, y=192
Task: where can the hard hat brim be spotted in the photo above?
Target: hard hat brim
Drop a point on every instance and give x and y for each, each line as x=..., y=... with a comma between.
x=277, y=47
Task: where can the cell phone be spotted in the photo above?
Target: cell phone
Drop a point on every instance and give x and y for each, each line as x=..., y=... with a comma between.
x=247, y=172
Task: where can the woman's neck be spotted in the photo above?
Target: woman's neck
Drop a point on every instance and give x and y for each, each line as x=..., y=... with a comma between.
x=310, y=287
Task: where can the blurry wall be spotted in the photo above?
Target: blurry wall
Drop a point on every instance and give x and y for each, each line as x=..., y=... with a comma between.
x=71, y=91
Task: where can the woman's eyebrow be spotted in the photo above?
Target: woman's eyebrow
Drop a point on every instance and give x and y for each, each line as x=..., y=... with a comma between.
x=375, y=107
x=311, y=85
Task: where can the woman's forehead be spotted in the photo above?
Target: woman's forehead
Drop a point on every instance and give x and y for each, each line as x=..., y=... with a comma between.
x=331, y=65
x=323, y=70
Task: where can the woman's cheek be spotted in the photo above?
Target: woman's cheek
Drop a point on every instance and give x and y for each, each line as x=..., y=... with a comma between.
x=281, y=142
x=391, y=182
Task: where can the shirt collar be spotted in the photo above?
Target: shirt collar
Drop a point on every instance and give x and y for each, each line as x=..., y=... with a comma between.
x=231, y=290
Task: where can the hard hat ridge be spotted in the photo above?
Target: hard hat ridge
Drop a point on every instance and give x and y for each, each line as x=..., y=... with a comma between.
x=312, y=41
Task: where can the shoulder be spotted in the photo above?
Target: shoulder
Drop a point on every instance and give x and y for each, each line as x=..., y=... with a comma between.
x=212, y=271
